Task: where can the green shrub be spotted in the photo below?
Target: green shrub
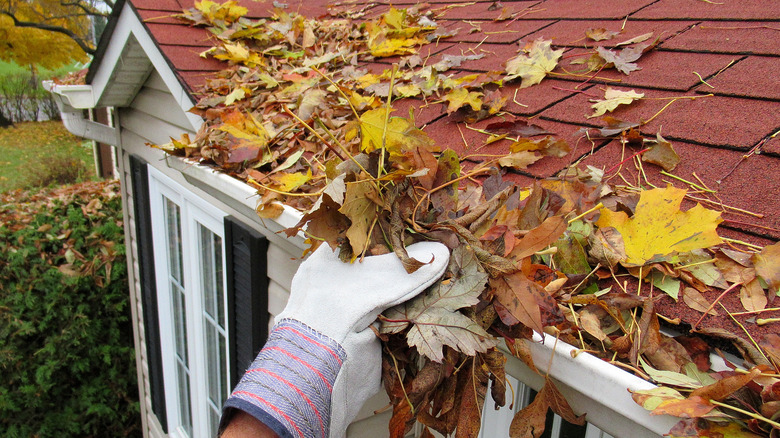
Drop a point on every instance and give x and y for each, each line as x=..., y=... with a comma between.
x=67, y=365
x=62, y=167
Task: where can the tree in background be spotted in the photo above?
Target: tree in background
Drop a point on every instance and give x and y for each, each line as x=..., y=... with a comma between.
x=50, y=33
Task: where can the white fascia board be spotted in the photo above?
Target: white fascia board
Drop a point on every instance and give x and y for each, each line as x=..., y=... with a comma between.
x=129, y=24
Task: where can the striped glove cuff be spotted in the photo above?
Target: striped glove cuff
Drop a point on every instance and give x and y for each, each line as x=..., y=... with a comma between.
x=288, y=386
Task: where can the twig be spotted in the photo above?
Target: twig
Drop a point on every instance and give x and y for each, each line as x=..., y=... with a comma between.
x=622, y=162
x=428, y=194
x=316, y=134
x=726, y=207
x=752, y=225
x=694, y=326
x=746, y=332
x=576, y=91
x=753, y=151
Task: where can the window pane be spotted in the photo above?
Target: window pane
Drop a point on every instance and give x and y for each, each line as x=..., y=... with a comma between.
x=213, y=360
x=214, y=420
x=223, y=376
x=173, y=228
x=179, y=322
x=185, y=410
x=218, y=281
x=207, y=270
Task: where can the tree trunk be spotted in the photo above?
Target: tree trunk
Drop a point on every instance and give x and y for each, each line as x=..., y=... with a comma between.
x=5, y=123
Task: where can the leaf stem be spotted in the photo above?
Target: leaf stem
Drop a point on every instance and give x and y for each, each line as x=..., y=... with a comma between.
x=401, y=381
x=739, y=242
x=591, y=210
x=316, y=134
x=704, y=189
x=746, y=332
x=673, y=100
x=338, y=88
x=748, y=413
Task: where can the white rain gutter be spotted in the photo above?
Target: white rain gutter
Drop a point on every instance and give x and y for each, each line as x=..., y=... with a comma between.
x=72, y=100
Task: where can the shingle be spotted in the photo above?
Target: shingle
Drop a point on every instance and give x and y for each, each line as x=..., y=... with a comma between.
x=484, y=10
x=493, y=31
x=714, y=121
x=697, y=9
x=755, y=76
x=729, y=37
x=588, y=9
x=571, y=33
x=661, y=70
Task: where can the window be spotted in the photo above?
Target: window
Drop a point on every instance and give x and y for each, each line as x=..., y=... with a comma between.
x=188, y=238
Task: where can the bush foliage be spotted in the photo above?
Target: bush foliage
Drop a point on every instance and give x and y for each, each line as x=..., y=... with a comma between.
x=67, y=364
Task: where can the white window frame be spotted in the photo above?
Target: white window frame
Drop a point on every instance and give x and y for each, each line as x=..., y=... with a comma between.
x=193, y=210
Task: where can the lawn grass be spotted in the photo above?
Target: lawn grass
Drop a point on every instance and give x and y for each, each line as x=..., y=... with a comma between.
x=9, y=68
x=35, y=154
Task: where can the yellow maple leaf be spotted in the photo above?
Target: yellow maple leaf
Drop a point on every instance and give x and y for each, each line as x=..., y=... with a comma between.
x=659, y=229
x=400, y=134
x=462, y=96
x=533, y=65
x=613, y=98
x=287, y=182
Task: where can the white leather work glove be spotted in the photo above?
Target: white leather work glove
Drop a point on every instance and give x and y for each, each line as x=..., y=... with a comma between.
x=322, y=360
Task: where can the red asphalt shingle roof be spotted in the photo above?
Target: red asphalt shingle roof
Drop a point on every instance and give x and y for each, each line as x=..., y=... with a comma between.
x=729, y=49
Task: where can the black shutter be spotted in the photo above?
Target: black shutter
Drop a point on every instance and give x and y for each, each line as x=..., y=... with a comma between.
x=247, y=283
x=146, y=274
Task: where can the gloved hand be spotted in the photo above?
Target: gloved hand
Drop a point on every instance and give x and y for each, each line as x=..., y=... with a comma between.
x=322, y=360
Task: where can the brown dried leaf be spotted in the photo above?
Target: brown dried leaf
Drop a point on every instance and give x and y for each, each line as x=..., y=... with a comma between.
x=752, y=296
x=516, y=293
x=601, y=34
x=539, y=238
x=474, y=391
x=696, y=301
x=691, y=407
x=767, y=264
x=726, y=386
x=529, y=422
x=662, y=154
